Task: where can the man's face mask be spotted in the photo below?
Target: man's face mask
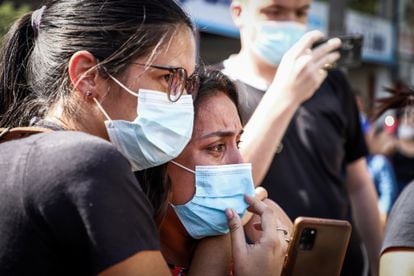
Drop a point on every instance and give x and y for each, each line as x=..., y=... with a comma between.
x=275, y=38
x=217, y=188
x=159, y=133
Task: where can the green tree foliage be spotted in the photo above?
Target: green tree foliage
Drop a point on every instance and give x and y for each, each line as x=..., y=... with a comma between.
x=8, y=14
x=366, y=6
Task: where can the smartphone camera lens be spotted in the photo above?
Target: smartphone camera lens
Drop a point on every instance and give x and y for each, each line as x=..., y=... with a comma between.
x=307, y=239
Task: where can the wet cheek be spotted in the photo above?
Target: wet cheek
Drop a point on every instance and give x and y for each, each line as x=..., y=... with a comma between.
x=130, y=109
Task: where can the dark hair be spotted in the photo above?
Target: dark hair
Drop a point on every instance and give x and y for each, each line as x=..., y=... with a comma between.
x=155, y=181
x=155, y=184
x=34, y=59
x=213, y=82
x=400, y=97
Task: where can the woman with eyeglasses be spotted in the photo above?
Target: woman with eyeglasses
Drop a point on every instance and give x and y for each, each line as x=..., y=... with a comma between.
x=107, y=87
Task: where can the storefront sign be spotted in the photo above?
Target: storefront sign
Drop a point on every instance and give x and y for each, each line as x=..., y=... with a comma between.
x=213, y=16
x=406, y=28
x=379, y=36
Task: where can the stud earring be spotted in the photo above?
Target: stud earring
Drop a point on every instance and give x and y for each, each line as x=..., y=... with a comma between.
x=88, y=94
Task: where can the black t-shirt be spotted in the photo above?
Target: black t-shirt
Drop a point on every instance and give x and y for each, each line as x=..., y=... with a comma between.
x=403, y=167
x=400, y=225
x=69, y=205
x=307, y=178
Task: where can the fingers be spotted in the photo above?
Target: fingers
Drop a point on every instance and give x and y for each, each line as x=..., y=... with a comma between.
x=268, y=218
x=260, y=193
x=305, y=43
x=256, y=206
x=319, y=57
x=325, y=55
x=237, y=234
x=330, y=46
x=246, y=217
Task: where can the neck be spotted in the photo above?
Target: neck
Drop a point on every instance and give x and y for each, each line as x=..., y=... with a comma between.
x=255, y=66
x=92, y=124
x=177, y=245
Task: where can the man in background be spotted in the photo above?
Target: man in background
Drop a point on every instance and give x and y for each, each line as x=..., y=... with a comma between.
x=318, y=169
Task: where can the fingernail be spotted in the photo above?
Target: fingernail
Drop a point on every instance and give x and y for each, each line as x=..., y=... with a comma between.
x=334, y=40
x=229, y=213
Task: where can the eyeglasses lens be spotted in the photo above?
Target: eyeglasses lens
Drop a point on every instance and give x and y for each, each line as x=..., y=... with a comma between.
x=177, y=83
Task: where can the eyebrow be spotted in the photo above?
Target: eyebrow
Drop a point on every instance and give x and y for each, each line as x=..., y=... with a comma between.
x=305, y=7
x=220, y=134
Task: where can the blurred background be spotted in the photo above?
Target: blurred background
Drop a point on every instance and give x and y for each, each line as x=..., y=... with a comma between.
x=387, y=26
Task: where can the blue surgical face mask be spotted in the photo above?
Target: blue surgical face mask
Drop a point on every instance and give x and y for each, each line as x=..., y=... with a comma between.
x=159, y=133
x=275, y=38
x=216, y=188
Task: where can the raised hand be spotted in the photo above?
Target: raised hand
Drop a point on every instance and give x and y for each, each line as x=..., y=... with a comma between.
x=301, y=70
x=267, y=255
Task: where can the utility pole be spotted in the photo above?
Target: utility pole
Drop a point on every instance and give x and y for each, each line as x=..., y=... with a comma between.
x=337, y=10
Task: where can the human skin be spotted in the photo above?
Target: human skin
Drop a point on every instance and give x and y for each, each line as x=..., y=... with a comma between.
x=215, y=139
x=300, y=75
x=178, y=51
x=293, y=81
x=90, y=86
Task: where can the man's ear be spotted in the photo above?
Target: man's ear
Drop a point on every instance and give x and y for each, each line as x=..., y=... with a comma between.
x=236, y=10
x=84, y=74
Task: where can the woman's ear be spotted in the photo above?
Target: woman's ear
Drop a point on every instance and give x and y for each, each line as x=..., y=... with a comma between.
x=83, y=74
x=236, y=9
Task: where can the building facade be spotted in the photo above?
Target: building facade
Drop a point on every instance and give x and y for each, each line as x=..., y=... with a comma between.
x=218, y=38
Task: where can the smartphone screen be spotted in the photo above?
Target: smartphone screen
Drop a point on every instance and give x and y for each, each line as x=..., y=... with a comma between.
x=317, y=247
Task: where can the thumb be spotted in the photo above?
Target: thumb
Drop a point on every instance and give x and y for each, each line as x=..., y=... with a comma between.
x=238, y=240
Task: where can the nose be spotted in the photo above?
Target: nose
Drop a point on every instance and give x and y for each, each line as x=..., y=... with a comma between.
x=234, y=156
x=291, y=16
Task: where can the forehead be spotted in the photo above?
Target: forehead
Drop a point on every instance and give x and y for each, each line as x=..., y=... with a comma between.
x=284, y=4
x=178, y=50
x=216, y=113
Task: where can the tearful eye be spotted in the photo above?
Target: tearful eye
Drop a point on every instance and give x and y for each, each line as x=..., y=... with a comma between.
x=217, y=148
x=302, y=14
x=167, y=77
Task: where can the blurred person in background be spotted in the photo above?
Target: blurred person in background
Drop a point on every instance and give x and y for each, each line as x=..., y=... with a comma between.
x=402, y=157
x=397, y=254
x=380, y=168
x=398, y=123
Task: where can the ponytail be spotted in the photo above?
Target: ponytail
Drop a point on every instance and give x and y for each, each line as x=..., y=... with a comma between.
x=36, y=52
x=15, y=93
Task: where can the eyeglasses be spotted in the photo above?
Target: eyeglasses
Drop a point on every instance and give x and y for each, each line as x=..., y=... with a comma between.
x=178, y=81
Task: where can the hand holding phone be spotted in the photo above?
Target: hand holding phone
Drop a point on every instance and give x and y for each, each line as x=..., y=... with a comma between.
x=350, y=50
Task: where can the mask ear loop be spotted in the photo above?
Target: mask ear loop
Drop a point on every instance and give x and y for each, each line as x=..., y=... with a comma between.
x=102, y=109
x=183, y=167
x=123, y=86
